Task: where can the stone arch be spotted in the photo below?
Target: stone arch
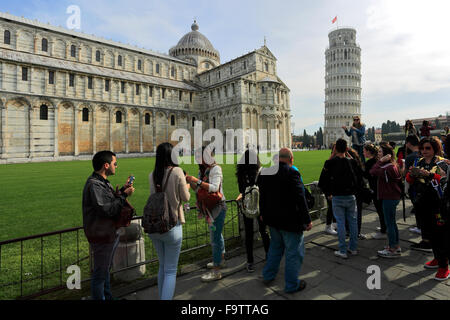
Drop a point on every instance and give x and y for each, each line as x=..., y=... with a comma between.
x=66, y=128
x=24, y=41
x=17, y=139
x=108, y=58
x=59, y=49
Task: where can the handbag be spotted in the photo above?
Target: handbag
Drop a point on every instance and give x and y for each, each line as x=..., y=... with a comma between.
x=126, y=215
x=209, y=199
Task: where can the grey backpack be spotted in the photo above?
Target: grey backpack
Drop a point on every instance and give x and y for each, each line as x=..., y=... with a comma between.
x=158, y=217
x=250, y=201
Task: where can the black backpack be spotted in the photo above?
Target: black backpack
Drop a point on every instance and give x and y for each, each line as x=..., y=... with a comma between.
x=158, y=218
x=310, y=200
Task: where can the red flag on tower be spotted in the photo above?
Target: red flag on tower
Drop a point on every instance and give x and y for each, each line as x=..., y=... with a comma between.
x=334, y=20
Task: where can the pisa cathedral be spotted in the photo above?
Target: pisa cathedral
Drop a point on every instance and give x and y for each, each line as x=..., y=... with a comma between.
x=67, y=95
x=342, y=83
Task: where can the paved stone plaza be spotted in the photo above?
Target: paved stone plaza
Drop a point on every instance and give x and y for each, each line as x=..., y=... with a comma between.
x=328, y=277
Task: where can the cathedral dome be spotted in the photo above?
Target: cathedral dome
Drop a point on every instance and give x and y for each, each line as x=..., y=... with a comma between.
x=194, y=43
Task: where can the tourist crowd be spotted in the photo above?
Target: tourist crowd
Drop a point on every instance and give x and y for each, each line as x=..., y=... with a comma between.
x=352, y=176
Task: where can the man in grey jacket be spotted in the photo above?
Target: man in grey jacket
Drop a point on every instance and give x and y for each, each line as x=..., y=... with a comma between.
x=101, y=208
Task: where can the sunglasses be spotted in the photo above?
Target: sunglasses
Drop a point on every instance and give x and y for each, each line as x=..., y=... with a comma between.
x=114, y=164
x=355, y=119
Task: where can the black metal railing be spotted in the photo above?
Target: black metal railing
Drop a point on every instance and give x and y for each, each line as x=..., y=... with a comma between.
x=36, y=265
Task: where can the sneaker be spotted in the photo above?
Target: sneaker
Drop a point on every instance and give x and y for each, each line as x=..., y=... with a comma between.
x=422, y=246
x=301, y=286
x=222, y=265
x=266, y=282
x=340, y=255
x=212, y=276
x=353, y=252
x=379, y=236
x=415, y=230
x=329, y=230
x=433, y=264
x=334, y=225
x=442, y=274
x=378, y=228
x=362, y=236
x=250, y=268
x=387, y=253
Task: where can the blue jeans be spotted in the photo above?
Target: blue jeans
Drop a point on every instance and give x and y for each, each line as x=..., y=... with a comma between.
x=360, y=150
x=389, y=210
x=289, y=243
x=344, y=209
x=217, y=242
x=103, y=256
x=168, y=247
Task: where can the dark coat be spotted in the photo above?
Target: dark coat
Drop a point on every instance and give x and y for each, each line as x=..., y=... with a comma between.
x=101, y=208
x=282, y=200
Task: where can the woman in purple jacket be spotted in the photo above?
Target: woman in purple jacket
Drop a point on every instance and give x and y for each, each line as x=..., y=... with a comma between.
x=389, y=192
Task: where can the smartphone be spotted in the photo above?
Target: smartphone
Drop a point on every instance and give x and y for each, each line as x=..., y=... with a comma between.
x=131, y=180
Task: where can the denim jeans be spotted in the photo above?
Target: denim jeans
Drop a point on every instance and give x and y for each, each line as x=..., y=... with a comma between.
x=360, y=150
x=168, y=247
x=103, y=256
x=292, y=245
x=389, y=210
x=217, y=242
x=344, y=209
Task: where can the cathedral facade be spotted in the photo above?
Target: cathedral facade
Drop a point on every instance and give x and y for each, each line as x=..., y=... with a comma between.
x=65, y=94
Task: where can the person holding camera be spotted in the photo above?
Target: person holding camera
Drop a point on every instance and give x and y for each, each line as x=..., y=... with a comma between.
x=211, y=203
x=358, y=133
x=429, y=179
x=101, y=209
x=389, y=192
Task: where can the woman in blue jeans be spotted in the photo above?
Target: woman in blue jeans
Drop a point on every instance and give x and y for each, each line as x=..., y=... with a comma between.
x=389, y=192
x=210, y=178
x=169, y=177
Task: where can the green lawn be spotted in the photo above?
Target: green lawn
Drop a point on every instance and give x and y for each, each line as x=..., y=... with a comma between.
x=44, y=197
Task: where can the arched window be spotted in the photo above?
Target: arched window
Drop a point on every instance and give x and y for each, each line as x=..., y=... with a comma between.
x=214, y=122
x=193, y=121
x=119, y=60
x=172, y=120
x=97, y=56
x=43, y=113
x=44, y=45
x=139, y=65
x=147, y=118
x=73, y=51
x=172, y=72
x=7, y=37
x=85, y=114
x=157, y=68
x=118, y=117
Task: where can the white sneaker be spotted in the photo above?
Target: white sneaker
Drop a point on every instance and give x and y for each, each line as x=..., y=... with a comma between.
x=222, y=265
x=211, y=276
x=386, y=253
x=330, y=230
x=334, y=225
x=340, y=255
x=415, y=230
x=379, y=236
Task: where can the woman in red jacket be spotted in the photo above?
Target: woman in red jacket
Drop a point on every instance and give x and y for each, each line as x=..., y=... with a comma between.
x=386, y=169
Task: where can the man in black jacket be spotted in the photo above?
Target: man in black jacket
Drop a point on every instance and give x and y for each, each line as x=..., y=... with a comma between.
x=283, y=208
x=101, y=208
x=341, y=179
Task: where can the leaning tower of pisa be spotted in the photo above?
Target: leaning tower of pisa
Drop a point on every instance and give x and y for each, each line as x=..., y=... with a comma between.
x=342, y=83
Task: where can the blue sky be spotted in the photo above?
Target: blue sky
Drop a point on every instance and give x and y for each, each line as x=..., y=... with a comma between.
x=405, y=47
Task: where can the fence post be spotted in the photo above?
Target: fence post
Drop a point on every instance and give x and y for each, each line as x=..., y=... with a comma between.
x=131, y=250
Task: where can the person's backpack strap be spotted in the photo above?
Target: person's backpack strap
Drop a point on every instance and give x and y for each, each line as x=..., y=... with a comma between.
x=167, y=179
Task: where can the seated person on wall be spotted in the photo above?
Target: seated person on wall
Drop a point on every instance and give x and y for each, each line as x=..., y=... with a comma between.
x=357, y=132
